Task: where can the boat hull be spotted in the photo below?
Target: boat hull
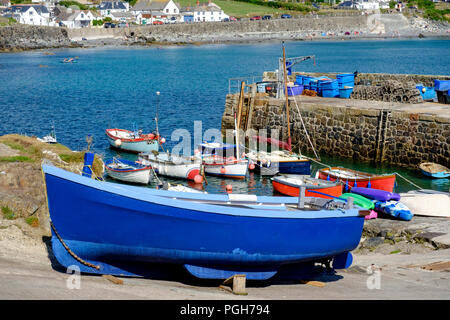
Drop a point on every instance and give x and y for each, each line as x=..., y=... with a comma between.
x=436, y=175
x=135, y=147
x=300, y=166
x=236, y=170
x=140, y=177
x=292, y=190
x=381, y=182
x=116, y=228
x=182, y=170
x=434, y=170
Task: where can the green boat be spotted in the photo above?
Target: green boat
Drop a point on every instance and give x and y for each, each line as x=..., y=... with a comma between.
x=360, y=201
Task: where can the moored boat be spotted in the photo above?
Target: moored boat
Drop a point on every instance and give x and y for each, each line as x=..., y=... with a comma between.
x=222, y=160
x=352, y=178
x=170, y=165
x=106, y=228
x=128, y=171
x=434, y=170
x=290, y=184
x=133, y=141
x=280, y=161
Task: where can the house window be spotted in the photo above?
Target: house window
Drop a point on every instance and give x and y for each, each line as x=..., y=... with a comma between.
x=167, y=10
x=174, y=10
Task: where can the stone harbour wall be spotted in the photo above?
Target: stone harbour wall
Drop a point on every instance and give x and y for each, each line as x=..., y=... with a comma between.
x=365, y=134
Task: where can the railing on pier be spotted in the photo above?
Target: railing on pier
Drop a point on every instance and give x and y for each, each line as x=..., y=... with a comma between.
x=234, y=84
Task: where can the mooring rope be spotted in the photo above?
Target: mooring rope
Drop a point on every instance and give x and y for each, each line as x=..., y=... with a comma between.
x=306, y=131
x=415, y=185
x=71, y=252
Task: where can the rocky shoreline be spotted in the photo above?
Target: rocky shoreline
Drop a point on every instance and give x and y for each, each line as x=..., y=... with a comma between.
x=21, y=37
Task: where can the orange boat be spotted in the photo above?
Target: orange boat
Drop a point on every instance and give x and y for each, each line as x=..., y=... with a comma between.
x=353, y=178
x=289, y=185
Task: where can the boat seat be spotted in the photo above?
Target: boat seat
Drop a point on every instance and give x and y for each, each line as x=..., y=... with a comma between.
x=242, y=197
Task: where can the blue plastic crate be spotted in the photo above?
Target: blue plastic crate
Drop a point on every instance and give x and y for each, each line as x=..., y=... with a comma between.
x=330, y=93
x=328, y=84
x=295, y=90
x=306, y=80
x=441, y=85
x=427, y=93
x=299, y=79
x=345, y=77
x=345, y=92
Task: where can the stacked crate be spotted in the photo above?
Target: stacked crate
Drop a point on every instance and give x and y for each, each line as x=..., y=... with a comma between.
x=442, y=88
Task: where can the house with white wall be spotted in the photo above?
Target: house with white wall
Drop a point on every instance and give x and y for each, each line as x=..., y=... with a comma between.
x=75, y=19
x=159, y=10
x=367, y=5
x=31, y=14
x=107, y=8
x=208, y=12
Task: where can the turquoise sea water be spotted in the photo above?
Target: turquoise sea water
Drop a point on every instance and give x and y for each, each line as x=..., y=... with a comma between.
x=116, y=87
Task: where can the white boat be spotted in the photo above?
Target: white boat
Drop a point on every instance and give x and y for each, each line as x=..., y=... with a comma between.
x=128, y=171
x=169, y=165
x=133, y=141
x=50, y=138
x=222, y=160
x=280, y=161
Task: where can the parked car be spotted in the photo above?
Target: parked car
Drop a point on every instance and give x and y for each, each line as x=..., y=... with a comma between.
x=122, y=25
x=158, y=22
x=347, y=33
x=233, y=19
x=267, y=17
x=286, y=16
x=107, y=25
x=255, y=18
x=226, y=20
x=315, y=5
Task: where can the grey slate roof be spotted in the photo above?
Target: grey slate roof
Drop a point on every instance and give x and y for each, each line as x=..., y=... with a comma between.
x=23, y=8
x=109, y=5
x=151, y=5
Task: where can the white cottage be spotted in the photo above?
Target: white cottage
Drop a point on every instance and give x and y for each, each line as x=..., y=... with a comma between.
x=37, y=15
x=151, y=11
x=75, y=18
x=208, y=12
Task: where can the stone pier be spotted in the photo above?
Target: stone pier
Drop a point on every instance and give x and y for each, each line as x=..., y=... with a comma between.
x=375, y=131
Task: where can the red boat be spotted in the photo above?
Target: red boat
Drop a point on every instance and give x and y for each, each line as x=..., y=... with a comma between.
x=353, y=178
x=289, y=185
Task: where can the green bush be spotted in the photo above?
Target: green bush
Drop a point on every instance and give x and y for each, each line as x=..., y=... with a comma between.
x=67, y=4
x=8, y=213
x=32, y=221
x=97, y=22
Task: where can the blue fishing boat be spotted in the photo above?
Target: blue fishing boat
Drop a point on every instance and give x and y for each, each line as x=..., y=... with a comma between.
x=434, y=170
x=108, y=228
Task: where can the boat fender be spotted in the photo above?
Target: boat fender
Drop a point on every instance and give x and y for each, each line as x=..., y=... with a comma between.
x=346, y=185
x=369, y=185
x=118, y=142
x=355, y=185
x=222, y=170
x=251, y=166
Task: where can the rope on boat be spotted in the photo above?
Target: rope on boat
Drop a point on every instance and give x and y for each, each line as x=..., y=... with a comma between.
x=71, y=252
x=306, y=131
x=415, y=185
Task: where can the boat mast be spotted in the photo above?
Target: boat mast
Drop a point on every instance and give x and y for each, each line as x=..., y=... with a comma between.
x=156, y=117
x=287, y=99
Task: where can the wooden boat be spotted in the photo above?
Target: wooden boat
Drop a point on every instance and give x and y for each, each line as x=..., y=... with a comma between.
x=109, y=228
x=222, y=160
x=352, y=178
x=434, y=170
x=169, y=165
x=290, y=184
x=128, y=171
x=427, y=202
x=280, y=161
x=133, y=141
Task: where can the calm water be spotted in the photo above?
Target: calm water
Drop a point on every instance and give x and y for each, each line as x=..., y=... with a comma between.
x=116, y=87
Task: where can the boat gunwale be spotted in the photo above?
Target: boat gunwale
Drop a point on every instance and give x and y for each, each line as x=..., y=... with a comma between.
x=177, y=202
x=368, y=175
x=145, y=137
x=331, y=184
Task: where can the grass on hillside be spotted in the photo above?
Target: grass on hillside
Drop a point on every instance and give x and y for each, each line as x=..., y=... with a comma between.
x=239, y=9
x=31, y=151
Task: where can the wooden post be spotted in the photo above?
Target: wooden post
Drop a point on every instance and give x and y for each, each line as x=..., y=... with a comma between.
x=238, y=284
x=287, y=98
x=301, y=197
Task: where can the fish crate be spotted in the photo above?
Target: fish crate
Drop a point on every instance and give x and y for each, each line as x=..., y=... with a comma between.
x=295, y=90
x=298, y=79
x=441, y=85
x=330, y=93
x=427, y=93
x=345, y=92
